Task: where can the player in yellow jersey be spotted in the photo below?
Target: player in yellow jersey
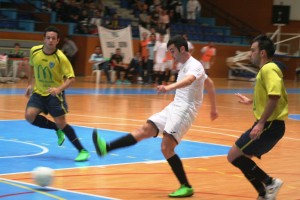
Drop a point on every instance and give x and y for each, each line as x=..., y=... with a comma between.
x=49, y=75
x=270, y=109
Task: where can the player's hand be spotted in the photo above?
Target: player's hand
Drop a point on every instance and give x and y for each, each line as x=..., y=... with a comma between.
x=214, y=115
x=54, y=91
x=161, y=89
x=28, y=91
x=256, y=131
x=243, y=99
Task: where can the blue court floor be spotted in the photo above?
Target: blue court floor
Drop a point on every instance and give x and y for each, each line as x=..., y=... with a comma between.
x=25, y=147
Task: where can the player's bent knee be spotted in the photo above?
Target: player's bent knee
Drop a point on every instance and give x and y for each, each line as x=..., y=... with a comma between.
x=29, y=117
x=233, y=153
x=167, y=151
x=148, y=130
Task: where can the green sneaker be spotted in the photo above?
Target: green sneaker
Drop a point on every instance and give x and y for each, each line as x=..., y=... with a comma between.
x=183, y=191
x=60, y=137
x=82, y=156
x=100, y=144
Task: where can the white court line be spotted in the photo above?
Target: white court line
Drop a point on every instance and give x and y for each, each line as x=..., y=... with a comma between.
x=57, y=189
x=206, y=127
x=44, y=149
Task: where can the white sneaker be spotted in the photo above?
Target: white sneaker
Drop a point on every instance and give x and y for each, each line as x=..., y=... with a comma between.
x=273, y=189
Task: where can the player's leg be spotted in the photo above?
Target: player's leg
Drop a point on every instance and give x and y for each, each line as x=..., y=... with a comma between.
x=168, y=145
x=118, y=74
x=156, y=73
x=149, y=71
x=178, y=123
x=35, y=106
x=154, y=125
x=68, y=130
x=58, y=109
x=105, y=67
x=239, y=160
x=161, y=76
x=272, y=133
x=102, y=147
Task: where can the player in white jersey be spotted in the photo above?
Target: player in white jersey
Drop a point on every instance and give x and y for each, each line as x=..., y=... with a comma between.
x=175, y=119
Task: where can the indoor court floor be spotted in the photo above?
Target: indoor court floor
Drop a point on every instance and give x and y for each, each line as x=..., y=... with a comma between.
x=139, y=171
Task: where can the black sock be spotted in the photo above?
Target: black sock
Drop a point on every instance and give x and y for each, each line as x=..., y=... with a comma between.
x=43, y=122
x=248, y=166
x=259, y=187
x=178, y=170
x=70, y=133
x=124, y=141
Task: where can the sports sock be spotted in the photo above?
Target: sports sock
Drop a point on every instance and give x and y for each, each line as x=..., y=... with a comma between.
x=43, y=122
x=248, y=166
x=124, y=141
x=178, y=170
x=70, y=133
x=259, y=187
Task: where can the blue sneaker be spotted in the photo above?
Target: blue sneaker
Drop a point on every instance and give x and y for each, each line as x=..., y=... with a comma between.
x=100, y=144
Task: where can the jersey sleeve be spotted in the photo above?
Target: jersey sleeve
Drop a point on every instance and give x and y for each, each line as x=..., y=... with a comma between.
x=272, y=77
x=196, y=69
x=67, y=68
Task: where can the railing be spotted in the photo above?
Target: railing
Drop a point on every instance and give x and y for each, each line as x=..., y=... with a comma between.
x=224, y=18
x=287, y=44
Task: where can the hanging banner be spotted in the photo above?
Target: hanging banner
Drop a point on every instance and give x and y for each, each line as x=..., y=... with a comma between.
x=112, y=39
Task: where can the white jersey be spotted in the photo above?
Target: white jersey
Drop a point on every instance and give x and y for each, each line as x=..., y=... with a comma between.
x=161, y=49
x=178, y=116
x=192, y=95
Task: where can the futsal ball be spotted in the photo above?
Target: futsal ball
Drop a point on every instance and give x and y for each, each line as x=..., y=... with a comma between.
x=43, y=176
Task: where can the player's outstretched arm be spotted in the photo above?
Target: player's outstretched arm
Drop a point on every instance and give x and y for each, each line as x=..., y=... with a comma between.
x=243, y=99
x=188, y=80
x=210, y=88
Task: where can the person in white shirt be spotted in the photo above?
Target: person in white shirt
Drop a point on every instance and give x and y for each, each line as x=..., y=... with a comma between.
x=100, y=63
x=160, y=50
x=176, y=118
x=193, y=8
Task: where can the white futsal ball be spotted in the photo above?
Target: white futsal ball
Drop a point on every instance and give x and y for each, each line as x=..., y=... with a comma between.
x=43, y=176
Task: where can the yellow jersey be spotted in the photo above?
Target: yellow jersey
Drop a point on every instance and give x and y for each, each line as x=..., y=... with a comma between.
x=269, y=81
x=49, y=70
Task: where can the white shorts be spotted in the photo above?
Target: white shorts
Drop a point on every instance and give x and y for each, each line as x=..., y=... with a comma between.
x=159, y=67
x=191, y=15
x=206, y=65
x=175, y=120
x=169, y=64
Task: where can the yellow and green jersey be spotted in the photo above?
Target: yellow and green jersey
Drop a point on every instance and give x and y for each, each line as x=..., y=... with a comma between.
x=49, y=70
x=269, y=81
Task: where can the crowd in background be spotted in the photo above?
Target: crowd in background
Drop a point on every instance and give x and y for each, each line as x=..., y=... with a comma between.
x=157, y=14
x=151, y=64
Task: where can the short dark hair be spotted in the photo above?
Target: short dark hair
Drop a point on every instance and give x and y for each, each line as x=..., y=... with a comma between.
x=52, y=29
x=178, y=41
x=265, y=43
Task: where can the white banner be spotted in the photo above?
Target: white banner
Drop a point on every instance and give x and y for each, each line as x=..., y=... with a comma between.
x=112, y=39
